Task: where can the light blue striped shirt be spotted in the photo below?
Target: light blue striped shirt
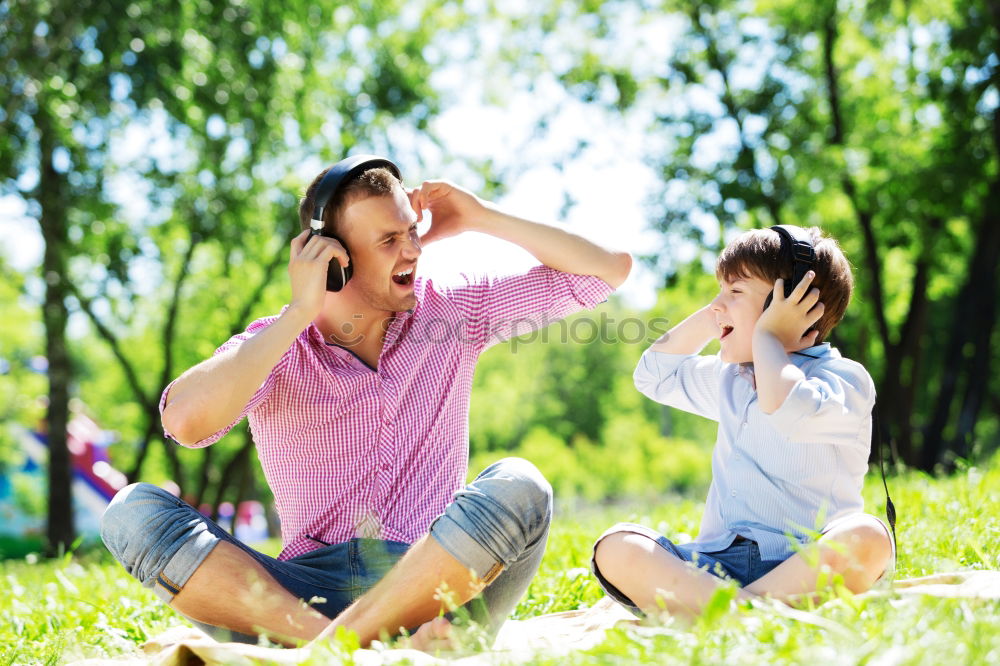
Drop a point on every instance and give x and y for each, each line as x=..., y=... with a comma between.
x=776, y=478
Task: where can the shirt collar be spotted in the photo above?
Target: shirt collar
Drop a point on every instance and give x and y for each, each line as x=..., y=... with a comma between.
x=822, y=350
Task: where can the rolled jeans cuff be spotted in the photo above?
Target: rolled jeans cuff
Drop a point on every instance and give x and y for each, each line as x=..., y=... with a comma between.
x=465, y=549
x=174, y=576
x=498, y=517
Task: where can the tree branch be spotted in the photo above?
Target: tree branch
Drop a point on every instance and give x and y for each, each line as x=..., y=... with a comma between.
x=839, y=138
x=116, y=348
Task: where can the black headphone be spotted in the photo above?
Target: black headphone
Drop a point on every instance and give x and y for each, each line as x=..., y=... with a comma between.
x=796, y=243
x=336, y=177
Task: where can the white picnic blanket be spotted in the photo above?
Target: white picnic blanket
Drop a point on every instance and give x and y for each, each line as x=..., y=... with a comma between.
x=552, y=635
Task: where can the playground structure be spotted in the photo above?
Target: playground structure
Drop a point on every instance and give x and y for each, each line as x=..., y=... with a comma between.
x=94, y=484
x=95, y=481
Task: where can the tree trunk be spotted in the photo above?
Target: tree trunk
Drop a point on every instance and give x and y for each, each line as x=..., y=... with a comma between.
x=985, y=309
x=51, y=191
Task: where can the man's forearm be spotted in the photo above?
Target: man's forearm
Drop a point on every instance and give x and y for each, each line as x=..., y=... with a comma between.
x=774, y=374
x=210, y=396
x=558, y=249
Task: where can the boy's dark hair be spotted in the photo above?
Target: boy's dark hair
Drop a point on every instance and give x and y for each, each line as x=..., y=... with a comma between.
x=757, y=253
x=375, y=182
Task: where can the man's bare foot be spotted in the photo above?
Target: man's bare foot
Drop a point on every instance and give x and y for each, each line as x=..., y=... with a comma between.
x=434, y=636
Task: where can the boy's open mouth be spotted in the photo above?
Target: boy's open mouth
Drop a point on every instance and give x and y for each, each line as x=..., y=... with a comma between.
x=726, y=330
x=403, y=277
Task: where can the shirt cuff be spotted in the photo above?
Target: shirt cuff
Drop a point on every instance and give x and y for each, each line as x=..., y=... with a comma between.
x=589, y=290
x=211, y=439
x=657, y=364
x=163, y=403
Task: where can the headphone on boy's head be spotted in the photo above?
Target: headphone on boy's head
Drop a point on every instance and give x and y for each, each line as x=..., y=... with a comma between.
x=797, y=243
x=336, y=177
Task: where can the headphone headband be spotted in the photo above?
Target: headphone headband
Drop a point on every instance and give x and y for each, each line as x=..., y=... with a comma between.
x=797, y=242
x=339, y=175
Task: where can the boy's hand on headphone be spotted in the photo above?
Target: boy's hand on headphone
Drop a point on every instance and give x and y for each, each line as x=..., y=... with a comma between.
x=790, y=319
x=307, y=266
x=453, y=210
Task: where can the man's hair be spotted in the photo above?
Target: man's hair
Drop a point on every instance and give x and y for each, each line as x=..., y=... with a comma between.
x=757, y=253
x=374, y=182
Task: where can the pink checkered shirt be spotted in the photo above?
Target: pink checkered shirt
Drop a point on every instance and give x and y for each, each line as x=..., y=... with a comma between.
x=349, y=451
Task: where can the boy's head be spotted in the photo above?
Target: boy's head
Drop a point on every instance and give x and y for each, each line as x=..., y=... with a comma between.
x=755, y=260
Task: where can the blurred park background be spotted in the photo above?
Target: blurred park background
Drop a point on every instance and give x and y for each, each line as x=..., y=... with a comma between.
x=152, y=155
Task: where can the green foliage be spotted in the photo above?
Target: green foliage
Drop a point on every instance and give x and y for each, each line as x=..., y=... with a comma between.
x=22, y=391
x=634, y=460
x=873, y=120
x=213, y=115
x=86, y=606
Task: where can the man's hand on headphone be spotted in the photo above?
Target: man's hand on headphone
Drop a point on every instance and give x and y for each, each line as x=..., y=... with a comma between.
x=307, y=266
x=453, y=210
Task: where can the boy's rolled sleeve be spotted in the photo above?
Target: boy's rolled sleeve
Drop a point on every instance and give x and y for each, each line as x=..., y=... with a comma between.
x=685, y=381
x=825, y=406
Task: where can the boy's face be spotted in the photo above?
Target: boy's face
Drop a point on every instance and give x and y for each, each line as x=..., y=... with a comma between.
x=737, y=309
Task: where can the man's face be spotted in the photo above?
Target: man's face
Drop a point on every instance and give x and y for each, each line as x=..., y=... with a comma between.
x=737, y=309
x=381, y=234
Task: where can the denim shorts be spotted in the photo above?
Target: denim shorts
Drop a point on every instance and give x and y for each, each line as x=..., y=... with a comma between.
x=739, y=562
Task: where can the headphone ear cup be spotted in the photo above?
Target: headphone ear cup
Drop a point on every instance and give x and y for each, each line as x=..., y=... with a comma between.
x=337, y=276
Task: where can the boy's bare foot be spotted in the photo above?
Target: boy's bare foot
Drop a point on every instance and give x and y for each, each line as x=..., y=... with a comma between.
x=434, y=636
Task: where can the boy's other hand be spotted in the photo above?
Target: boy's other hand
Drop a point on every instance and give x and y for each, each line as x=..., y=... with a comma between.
x=790, y=319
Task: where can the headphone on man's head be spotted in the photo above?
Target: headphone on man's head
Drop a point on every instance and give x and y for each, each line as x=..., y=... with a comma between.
x=796, y=243
x=336, y=177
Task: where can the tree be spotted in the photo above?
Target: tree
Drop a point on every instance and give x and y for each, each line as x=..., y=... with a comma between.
x=227, y=97
x=781, y=112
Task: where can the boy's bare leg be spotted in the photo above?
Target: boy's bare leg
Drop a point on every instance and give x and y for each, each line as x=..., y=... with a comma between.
x=230, y=589
x=427, y=580
x=857, y=548
x=653, y=578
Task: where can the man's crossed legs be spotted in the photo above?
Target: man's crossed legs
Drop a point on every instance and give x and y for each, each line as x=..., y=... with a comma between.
x=482, y=551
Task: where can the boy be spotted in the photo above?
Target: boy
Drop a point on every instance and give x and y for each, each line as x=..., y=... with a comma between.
x=792, y=447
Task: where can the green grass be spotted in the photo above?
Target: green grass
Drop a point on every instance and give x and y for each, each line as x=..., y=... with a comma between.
x=85, y=606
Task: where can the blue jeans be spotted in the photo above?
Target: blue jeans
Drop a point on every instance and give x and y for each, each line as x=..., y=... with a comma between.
x=496, y=526
x=740, y=561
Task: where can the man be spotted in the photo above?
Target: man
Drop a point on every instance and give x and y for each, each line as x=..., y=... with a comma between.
x=358, y=403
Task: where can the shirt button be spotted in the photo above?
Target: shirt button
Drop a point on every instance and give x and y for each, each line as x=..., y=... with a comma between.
x=733, y=493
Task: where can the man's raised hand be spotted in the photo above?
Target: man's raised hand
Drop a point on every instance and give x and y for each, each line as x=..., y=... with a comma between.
x=453, y=209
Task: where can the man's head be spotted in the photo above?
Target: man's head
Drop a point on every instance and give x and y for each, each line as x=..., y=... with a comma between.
x=372, y=217
x=746, y=271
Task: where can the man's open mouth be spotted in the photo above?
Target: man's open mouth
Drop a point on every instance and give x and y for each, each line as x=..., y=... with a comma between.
x=403, y=277
x=726, y=330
